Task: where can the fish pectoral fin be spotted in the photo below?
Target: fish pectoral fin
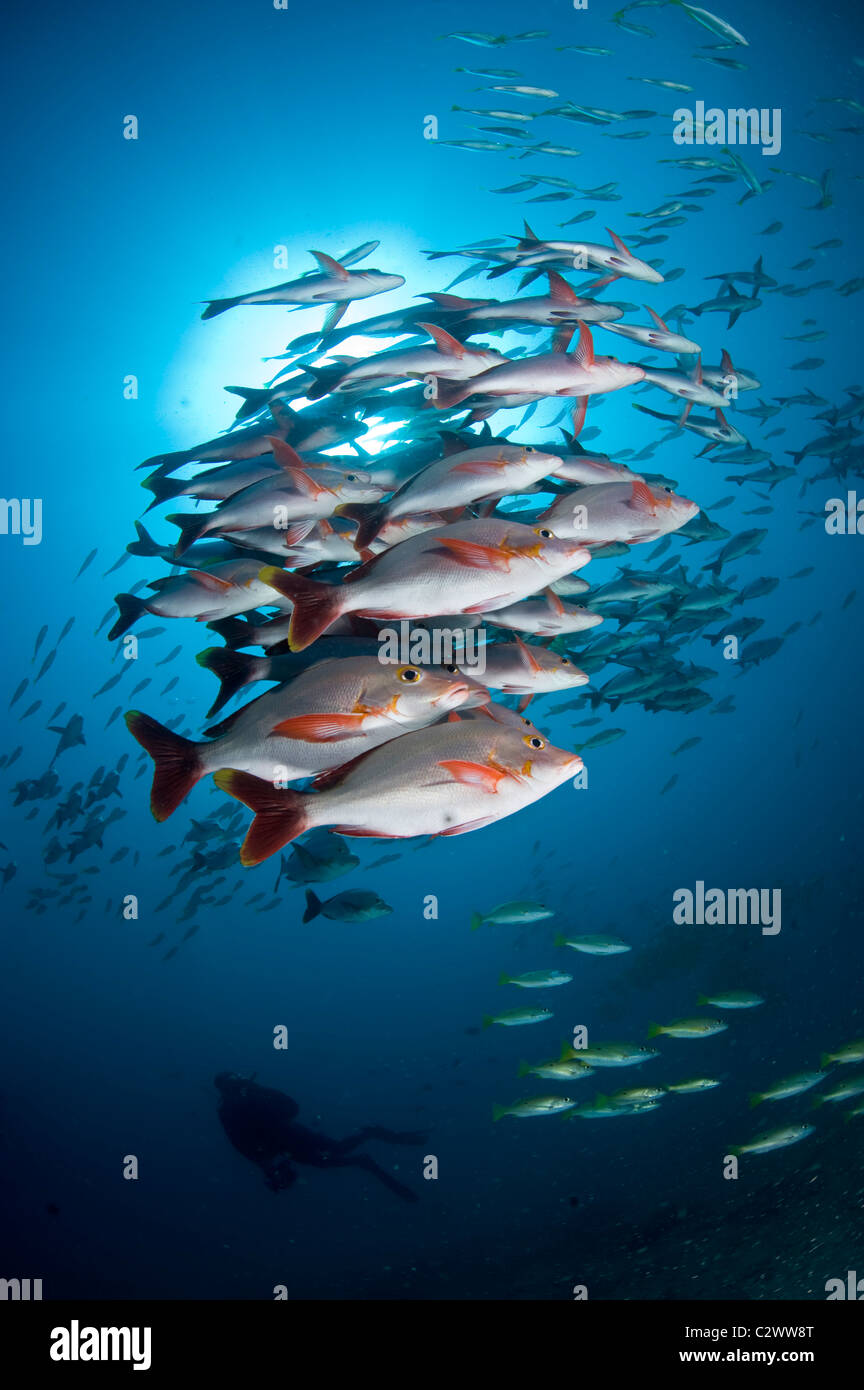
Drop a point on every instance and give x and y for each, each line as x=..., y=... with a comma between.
x=210, y=581
x=474, y=556
x=331, y=318
x=319, y=728
x=474, y=775
x=284, y=455
x=642, y=499
x=479, y=467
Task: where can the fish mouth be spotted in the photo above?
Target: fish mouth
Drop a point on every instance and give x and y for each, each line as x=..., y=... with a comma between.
x=457, y=694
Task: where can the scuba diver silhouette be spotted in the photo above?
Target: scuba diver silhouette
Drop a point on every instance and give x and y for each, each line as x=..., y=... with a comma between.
x=260, y=1123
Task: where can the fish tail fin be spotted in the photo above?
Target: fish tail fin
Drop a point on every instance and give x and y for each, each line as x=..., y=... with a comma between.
x=165, y=463
x=560, y=940
x=192, y=527
x=476, y=921
x=218, y=306
x=369, y=517
x=163, y=488
x=280, y=816
x=326, y=379
x=826, y=1059
x=715, y=567
x=313, y=906
x=234, y=631
x=131, y=607
x=524, y=1069
x=755, y=1099
x=254, y=399
x=734, y=1149
x=316, y=605
x=177, y=764
x=654, y=1030
x=498, y=1111
x=145, y=544
x=700, y=999
x=232, y=669
x=488, y=1020
x=449, y=393
x=503, y=978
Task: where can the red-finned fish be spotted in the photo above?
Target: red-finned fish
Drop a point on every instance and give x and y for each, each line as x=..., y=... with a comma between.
x=448, y=359
x=454, y=481
x=660, y=336
x=561, y=306
x=517, y=668
x=206, y=595
x=445, y=780
x=546, y=617
x=616, y=260
x=329, y=714
x=470, y=567
x=290, y=501
x=576, y=374
x=332, y=284
x=628, y=512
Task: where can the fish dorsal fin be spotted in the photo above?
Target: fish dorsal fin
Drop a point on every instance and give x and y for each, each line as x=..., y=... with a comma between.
x=696, y=374
x=454, y=301
x=664, y=327
x=528, y=658
x=721, y=419
x=330, y=266
x=554, y=601
x=285, y=456
x=562, y=338
x=726, y=361
x=531, y=236
x=559, y=290
x=335, y=775
x=292, y=465
x=444, y=341
x=618, y=243
x=583, y=352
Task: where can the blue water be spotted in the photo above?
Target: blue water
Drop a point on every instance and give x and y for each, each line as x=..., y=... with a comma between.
x=260, y=128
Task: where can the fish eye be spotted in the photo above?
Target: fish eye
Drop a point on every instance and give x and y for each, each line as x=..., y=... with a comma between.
x=534, y=741
x=351, y=477
x=409, y=674
x=565, y=661
x=668, y=489
x=452, y=670
x=544, y=533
